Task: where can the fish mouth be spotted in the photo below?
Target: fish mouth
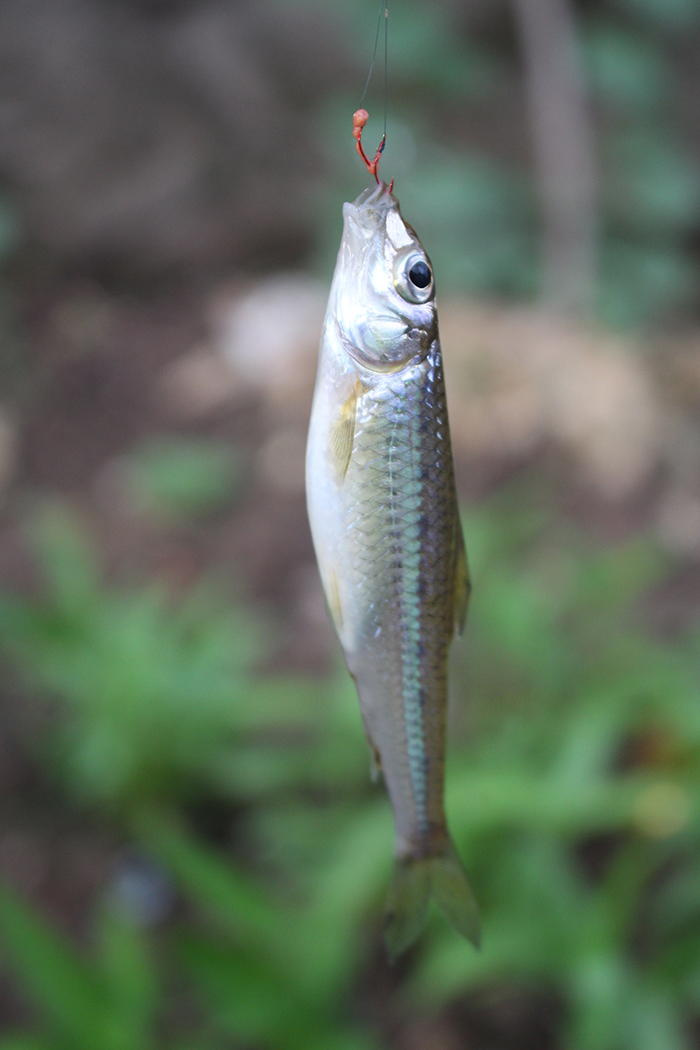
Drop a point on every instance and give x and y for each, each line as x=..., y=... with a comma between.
x=373, y=203
x=373, y=194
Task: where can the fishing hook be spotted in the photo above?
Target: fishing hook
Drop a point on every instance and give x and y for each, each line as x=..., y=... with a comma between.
x=359, y=119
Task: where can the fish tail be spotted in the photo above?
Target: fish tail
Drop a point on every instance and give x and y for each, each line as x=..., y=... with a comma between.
x=407, y=903
x=453, y=894
x=414, y=881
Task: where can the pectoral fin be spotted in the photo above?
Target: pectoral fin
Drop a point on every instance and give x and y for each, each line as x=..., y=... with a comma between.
x=462, y=583
x=342, y=435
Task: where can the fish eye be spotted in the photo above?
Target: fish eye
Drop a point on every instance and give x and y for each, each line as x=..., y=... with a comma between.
x=413, y=277
x=420, y=274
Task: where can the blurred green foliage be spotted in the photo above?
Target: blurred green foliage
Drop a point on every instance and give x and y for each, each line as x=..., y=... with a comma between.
x=175, y=478
x=573, y=795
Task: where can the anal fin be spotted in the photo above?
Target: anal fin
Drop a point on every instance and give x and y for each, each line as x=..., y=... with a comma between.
x=375, y=757
x=375, y=763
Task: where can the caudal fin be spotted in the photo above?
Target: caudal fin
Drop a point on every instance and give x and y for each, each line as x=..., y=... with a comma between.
x=413, y=883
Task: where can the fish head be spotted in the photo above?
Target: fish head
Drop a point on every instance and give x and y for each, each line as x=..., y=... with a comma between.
x=383, y=298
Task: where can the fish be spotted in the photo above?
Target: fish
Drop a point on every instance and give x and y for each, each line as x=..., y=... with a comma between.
x=386, y=529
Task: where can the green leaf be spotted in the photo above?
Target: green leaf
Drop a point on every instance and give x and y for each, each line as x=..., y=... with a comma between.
x=250, y=998
x=226, y=895
x=129, y=977
x=51, y=974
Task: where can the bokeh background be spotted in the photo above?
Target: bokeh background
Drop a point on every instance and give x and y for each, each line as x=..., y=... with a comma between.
x=192, y=856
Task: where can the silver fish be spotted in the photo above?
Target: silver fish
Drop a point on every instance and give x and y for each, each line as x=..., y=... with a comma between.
x=385, y=523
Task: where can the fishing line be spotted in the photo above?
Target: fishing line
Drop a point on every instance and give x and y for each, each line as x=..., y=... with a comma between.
x=383, y=10
x=386, y=61
x=360, y=116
